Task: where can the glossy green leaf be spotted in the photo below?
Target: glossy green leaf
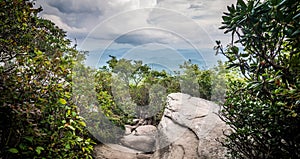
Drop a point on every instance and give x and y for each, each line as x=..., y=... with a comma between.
x=39, y=149
x=13, y=150
x=242, y=4
x=29, y=138
x=67, y=146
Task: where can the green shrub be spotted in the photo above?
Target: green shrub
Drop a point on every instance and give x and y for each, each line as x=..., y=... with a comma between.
x=196, y=82
x=263, y=111
x=130, y=89
x=38, y=116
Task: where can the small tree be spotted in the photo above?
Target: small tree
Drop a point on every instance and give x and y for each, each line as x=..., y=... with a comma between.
x=263, y=111
x=196, y=82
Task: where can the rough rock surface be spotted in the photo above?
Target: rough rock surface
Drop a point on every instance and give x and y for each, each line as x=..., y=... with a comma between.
x=114, y=151
x=147, y=130
x=188, y=130
x=128, y=129
x=142, y=143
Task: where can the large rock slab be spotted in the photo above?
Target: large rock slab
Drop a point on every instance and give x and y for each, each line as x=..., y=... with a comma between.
x=189, y=129
x=142, y=143
x=177, y=145
x=115, y=151
x=146, y=130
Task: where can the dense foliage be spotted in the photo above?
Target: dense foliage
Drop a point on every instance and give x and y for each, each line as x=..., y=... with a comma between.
x=125, y=90
x=196, y=82
x=38, y=117
x=137, y=91
x=263, y=111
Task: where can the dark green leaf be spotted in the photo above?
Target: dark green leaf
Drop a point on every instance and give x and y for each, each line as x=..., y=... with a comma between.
x=29, y=138
x=296, y=32
x=13, y=150
x=296, y=16
x=242, y=4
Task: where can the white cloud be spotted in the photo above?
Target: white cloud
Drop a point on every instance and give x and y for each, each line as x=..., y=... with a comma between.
x=58, y=21
x=147, y=35
x=147, y=3
x=122, y=21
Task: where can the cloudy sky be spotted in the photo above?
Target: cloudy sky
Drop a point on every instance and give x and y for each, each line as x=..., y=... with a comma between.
x=149, y=25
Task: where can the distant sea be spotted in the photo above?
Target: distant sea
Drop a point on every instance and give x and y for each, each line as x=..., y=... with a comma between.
x=157, y=59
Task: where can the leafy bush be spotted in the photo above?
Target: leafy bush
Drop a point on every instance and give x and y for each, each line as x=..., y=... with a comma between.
x=130, y=89
x=38, y=116
x=208, y=84
x=127, y=87
x=263, y=111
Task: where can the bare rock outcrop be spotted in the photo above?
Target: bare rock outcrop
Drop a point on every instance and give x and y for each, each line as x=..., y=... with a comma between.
x=115, y=151
x=141, y=143
x=188, y=130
